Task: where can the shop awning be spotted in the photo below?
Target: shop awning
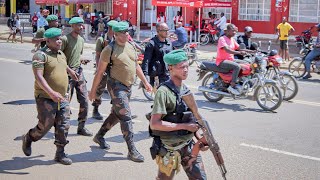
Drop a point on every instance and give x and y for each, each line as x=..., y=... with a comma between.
x=50, y=2
x=86, y=1
x=181, y=3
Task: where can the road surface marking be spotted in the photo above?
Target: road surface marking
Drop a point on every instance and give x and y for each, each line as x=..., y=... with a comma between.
x=306, y=102
x=10, y=60
x=281, y=152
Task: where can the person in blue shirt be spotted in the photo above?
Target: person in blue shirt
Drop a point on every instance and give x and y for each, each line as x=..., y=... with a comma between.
x=42, y=22
x=182, y=36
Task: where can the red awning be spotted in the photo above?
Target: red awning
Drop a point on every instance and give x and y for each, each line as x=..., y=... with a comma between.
x=86, y=1
x=181, y=3
x=51, y=2
x=215, y=3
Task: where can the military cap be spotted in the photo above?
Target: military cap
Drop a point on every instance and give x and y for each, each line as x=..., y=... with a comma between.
x=175, y=57
x=112, y=23
x=120, y=26
x=52, y=32
x=52, y=18
x=76, y=20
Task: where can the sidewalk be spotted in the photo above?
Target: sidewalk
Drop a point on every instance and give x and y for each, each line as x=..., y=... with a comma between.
x=205, y=52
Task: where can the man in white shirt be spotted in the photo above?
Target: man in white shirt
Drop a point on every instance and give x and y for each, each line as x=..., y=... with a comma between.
x=221, y=23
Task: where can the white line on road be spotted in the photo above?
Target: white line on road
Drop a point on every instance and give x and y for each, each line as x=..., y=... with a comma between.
x=306, y=102
x=281, y=152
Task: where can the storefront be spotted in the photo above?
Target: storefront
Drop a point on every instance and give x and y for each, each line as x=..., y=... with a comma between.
x=264, y=15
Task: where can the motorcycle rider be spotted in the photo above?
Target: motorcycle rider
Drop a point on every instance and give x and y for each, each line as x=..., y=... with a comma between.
x=227, y=47
x=182, y=36
x=153, y=64
x=313, y=54
x=245, y=39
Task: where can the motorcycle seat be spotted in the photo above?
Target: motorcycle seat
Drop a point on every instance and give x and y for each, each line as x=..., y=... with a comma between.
x=212, y=66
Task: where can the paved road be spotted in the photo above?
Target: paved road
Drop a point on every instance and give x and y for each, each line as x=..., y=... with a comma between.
x=255, y=144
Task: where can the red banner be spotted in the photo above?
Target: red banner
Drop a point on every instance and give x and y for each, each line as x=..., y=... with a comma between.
x=215, y=3
x=181, y=3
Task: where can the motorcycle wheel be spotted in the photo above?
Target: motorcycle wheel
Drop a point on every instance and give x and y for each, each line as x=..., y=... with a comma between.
x=192, y=56
x=289, y=86
x=268, y=96
x=148, y=95
x=212, y=97
x=204, y=39
x=297, y=68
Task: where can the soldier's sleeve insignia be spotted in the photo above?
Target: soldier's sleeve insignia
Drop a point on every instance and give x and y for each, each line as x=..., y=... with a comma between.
x=38, y=60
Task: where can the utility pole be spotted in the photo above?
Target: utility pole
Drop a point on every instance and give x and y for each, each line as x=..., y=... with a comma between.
x=138, y=19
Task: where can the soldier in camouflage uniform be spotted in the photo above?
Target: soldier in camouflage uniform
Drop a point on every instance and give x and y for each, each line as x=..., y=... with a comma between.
x=120, y=79
x=72, y=47
x=173, y=134
x=100, y=44
x=52, y=22
x=51, y=83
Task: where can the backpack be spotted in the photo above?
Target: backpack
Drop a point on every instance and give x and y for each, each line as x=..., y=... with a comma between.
x=9, y=22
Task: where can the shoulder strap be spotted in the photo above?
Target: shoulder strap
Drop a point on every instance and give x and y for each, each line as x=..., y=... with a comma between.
x=111, y=44
x=169, y=84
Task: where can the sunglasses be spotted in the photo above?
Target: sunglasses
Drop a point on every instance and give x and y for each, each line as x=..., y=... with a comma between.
x=164, y=30
x=123, y=32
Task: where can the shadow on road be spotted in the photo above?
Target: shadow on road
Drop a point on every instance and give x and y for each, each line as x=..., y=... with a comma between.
x=26, y=62
x=19, y=163
x=21, y=102
x=310, y=80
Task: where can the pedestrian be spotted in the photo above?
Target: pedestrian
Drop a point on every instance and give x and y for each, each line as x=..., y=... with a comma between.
x=284, y=29
x=101, y=27
x=34, y=20
x=161, y=18
x=153, y=64
x=51, y=83
x=80, y=11
x=172, y=132
x=42, y=22
x=101, y=43
x=12, y=27
x=121, y=75
x=177, y=18
x=39, y=37
x=315, y=52
x=221, y=24
x=72, y=47
x=182, y=36
x=87, y=23
x=18, y=27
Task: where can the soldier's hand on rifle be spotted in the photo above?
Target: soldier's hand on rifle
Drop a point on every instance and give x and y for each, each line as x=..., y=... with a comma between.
x=56, y=97
x=192, y=127
x=73, y=75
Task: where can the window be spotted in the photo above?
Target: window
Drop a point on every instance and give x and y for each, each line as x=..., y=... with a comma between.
x=106, y=7
x=254, y=10
x=218, y=11
x=304, y=11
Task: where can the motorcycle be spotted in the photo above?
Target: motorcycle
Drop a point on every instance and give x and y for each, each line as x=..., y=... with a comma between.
x=298, y=67
x=286, y=81
x=208, y=34
x=189, y=48
x=251, y=78
x=304, y=38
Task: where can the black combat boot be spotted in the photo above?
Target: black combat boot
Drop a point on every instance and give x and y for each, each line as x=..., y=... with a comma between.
x=98, y=138
x=127, y=131
x=61, y=157
x=82, y=130
x=26, y=144
x=96, y=114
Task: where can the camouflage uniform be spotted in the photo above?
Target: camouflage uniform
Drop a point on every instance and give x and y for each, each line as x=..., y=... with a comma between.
x=100, y=90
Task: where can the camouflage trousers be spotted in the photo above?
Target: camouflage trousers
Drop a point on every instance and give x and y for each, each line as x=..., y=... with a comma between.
x=100, y=90
x=50, y=115
x=120, y=110
x=196, y=172
x=82, y=93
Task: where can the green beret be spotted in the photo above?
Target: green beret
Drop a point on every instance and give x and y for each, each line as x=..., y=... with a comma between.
x=52, y=32
x=76, y=20
x=175, y=57
x=120, y=26
x=112, y=23
x=52, y=18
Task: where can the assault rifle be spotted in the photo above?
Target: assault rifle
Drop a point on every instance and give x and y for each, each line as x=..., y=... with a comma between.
x=207, y=139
